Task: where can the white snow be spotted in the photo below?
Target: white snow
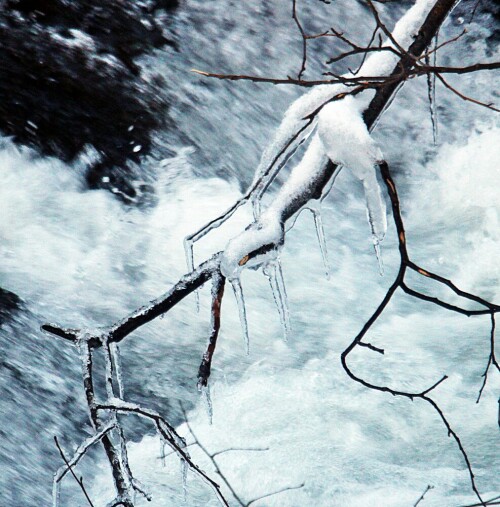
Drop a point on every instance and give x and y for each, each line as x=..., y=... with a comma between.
x=377, y=64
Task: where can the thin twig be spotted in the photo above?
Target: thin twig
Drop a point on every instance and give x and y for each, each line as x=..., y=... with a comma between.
x=428, y=488
x=304, y=40
x=465, y=97
x=492, y=360
x=282, y=490
x=70, y=468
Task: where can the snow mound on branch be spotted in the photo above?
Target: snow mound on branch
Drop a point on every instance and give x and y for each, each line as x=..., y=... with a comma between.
x=377, y=64
x=345, y=137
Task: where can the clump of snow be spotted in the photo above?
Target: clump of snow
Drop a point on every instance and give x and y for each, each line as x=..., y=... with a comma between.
x=345, y=137
x=268, y=231
x=377, y=64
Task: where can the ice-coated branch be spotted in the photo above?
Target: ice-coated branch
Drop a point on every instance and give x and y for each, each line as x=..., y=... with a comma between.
x=117, y=332
x=79, y=453
x=168, y=435
x=206, y=363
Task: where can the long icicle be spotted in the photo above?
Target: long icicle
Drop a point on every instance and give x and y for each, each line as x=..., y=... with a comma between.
x=184, y=472
x=205, y=392
x=238, y=294
x=284, y=295
x=320, y=233
x=431, y=90
x=189, y=253
x=116, y=362
x=378, y=253
x=275, y=277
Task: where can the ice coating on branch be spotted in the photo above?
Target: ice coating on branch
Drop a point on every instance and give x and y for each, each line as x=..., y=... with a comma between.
x=253, y=246
x=345, y=137
x=301, y=177
x=346, y=141
x=295, y=118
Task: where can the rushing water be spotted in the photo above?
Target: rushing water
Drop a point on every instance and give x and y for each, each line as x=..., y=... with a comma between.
x=80, y=257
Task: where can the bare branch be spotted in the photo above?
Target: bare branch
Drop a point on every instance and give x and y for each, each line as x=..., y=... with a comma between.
x=304, y=40
x=465, y=97
x=492, y=360
x=421, y=498
x=282, y=490
x=70, y=468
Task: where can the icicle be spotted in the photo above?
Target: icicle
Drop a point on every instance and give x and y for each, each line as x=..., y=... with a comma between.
x=184, y=472
x=115, y=356
x=163, y=443
x=378, y=253
x=275, y=275
x=320, y=232
x=375, y=207
x=238, y=294
x=284, y=295
x=205, y=392
x=56, y=493
x=431, y=90
x=189, y=253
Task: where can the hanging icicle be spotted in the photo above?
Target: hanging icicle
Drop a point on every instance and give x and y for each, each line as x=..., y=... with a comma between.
x=240, y=301
x=116, y=359
x=431, y=89
x=274, y=273
x=205, y=392
x=378, y=253
x=320, y=233
x=163, y=444
x=189, y=253
x=184, y=472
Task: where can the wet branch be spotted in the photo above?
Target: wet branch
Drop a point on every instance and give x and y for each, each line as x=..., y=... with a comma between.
x=399, y=283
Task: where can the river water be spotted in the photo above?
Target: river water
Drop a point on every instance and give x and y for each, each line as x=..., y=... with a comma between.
x=80, y=257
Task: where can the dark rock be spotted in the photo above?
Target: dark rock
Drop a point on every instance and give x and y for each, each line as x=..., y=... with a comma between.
x=69, y=81
x=9, y=303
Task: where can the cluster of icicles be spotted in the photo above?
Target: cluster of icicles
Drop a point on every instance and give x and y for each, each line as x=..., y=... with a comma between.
x=339, y=134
